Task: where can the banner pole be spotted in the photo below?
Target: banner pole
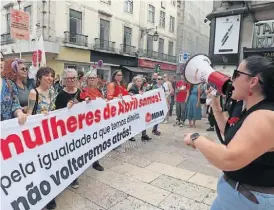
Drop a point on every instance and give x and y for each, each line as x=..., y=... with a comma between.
x=20, y=52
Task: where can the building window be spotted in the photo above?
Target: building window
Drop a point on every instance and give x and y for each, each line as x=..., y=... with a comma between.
x=104, y=29
x=173, y=2
x=127, y=40
x=170, y=48
x=82, y=68
x=162, y=19
x=161, y=49
x=151, y=13
x=149, y=45
x=104, y=34
x=75, y=22
x=106, y=1
x=171, y=24
x=161, y=46
x=127, y=36
x=129, y=6
x=28, y=9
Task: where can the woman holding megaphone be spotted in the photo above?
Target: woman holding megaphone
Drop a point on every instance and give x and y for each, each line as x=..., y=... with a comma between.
x=247, y=154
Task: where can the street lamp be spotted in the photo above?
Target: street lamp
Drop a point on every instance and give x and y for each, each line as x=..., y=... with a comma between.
x=146, y=31
x=155, y=35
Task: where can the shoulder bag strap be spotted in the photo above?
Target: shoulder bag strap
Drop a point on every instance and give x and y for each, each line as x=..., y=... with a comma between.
x=36, y=103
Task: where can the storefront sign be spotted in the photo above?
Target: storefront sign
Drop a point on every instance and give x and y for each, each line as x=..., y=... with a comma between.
x=42, y=157
x=263, y=36
x=266, y=52
x=151, y=64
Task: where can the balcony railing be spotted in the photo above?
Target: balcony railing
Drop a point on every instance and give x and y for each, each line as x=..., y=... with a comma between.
x=128, y=49
x=157, y=56
x=6, y=39
x=104, y=45
x=76, y=39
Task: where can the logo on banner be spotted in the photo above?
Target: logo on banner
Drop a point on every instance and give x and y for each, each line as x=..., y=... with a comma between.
x=151, y=117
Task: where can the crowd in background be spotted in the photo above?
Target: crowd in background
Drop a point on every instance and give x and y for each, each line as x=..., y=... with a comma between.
x=21, y=97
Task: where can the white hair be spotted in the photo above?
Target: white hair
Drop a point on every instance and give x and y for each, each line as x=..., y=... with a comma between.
x=136, y=78
x=90, y=74
x=68, y=70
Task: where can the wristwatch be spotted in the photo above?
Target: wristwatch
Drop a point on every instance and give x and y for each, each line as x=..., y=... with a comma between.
x=194, y=136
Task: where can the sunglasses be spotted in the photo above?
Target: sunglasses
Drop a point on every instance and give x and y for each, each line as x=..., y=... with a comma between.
x=24, y=69
x=160, y=79
x=238, y=73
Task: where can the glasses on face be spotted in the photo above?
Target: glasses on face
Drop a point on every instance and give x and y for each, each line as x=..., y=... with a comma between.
x=24, y=69
x=160, y=79
x=71, y=79
x=238, y=73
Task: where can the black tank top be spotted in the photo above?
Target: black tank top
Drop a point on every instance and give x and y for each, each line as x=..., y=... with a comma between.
x=260, y=172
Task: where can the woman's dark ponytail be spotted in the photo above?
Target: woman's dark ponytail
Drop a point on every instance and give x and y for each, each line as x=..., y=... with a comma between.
x=264, y=68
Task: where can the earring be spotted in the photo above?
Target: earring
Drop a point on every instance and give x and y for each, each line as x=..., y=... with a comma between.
x=250, y=92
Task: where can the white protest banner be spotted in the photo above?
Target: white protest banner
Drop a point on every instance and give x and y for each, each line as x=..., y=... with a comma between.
x=41, y=158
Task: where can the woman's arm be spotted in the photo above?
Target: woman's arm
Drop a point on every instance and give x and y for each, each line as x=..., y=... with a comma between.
x=16, y=108
x=170, y=88
x=252, y=140
x=199, y=96
x=31, y=101
x=110, y=91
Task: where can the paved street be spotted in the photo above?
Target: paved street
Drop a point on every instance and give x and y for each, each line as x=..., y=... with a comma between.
x=161, y=174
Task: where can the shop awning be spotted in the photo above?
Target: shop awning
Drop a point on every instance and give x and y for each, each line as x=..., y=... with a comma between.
x=138, y=69
x=266, y=52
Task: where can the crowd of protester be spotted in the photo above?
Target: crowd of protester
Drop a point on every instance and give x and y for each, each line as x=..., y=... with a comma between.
x=51, y=92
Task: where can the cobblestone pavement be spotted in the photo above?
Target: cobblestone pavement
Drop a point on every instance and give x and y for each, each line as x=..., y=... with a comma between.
x=160, y=174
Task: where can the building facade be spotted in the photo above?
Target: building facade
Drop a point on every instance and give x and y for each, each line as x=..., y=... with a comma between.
x=130, y=35
x=193, y=32
x=240, y=29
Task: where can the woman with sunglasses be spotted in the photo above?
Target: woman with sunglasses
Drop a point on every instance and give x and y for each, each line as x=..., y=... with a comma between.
x=247, y=154
x=117, y=87
x=10, y=106
x=21, y=71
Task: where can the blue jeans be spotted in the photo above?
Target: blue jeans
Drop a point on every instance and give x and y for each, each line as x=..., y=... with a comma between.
x=230, y=199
